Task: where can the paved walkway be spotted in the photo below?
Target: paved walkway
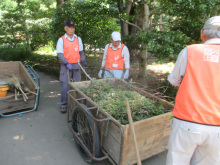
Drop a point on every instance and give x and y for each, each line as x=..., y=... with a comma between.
x=42, y=137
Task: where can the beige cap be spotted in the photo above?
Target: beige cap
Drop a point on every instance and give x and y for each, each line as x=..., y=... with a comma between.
x=116, y=36
x=213, y=23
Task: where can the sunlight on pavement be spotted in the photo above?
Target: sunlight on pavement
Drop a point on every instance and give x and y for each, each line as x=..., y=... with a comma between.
x=19, y=137
x=34, y=158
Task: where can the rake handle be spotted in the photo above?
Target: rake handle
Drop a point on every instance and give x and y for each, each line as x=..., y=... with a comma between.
x=133, y=132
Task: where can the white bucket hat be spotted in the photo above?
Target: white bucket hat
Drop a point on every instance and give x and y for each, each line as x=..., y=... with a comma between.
x=116, y=36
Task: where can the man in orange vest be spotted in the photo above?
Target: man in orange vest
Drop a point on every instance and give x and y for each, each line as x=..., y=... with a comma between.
x=116, y=58
x=70, y=52
x=195, y=129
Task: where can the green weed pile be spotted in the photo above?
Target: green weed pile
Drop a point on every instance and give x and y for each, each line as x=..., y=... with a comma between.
x=111, y=97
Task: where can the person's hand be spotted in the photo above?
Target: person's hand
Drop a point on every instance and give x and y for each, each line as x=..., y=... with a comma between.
x=69, y=66
x=84, y=65
x=126, y=74
x=100, y=73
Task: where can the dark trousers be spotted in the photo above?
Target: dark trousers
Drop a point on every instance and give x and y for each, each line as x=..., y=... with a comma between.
x=74, y=75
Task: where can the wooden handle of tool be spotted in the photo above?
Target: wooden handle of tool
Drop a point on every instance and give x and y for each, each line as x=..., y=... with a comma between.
x=23, y=93
x=133, y=132
x=16, y=98
x=84, y=71
x=24, y=97
x=26, y=89
x=32, y=92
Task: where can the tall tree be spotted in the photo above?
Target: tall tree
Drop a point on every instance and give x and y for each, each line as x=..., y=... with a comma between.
x=93, y=23
x=23, y=14
x=21, y=19
x=60, y=2
x=145, y=15
x=135, y=16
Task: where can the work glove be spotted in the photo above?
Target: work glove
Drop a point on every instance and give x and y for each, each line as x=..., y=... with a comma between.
x=69, y=66
x=100, y=73
x=84, y=65
x=126, y=74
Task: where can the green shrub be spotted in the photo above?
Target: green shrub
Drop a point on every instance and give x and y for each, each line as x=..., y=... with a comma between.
x=93, y=22
x=47, y=69
x=40, y=34
x=9, y=54
x=161, y=44
x=47, y=63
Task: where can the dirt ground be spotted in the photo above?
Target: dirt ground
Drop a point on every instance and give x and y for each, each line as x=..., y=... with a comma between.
x=156, y=81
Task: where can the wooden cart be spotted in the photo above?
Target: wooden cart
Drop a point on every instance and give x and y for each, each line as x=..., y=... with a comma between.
x=10, y=105
x=116, y=143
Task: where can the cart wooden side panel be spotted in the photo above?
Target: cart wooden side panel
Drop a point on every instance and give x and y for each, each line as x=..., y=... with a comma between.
x=113, y=142
x=152, y=134
x=152, y=137
x=8, y=103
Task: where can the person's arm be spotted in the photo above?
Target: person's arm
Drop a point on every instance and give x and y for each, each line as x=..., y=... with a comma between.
x=59, y=49
x=104, y=57
x=126, y=55
x=176, y=76
x=82, y=54
x=80, y=44
x=103, y=61
x=81, y=51
x=61, y=58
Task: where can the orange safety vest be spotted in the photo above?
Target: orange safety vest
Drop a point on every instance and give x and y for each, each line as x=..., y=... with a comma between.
x=198, y=97
x=114, y=58
x=71, y=50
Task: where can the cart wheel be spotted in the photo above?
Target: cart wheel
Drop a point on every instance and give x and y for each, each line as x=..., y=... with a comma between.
x=82, y=124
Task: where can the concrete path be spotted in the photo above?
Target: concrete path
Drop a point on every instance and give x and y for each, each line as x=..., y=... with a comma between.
x=42, y=137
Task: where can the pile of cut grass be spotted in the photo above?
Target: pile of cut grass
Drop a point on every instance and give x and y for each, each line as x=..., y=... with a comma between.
x=111, y=98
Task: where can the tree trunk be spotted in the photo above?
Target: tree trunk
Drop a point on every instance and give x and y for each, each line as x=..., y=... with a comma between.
x=27, y=36
x=143, y=55
x=124, y=29
x=25, y=27
x=142, y=20
x=161, y=19
x=142, y=65
x=124, y=9
x=59, y=2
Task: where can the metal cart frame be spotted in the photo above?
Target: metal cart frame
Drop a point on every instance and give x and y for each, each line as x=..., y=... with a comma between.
x=36, y=79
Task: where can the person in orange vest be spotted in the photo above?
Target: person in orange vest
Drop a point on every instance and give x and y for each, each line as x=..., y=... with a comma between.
x=195, y=129
x=116, y=58
x=70, y=52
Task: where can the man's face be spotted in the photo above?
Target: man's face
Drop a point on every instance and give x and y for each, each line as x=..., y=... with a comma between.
x=70, y=30
x=115, y=43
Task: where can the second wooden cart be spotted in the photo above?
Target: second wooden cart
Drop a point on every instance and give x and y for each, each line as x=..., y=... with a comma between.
x=14, y=104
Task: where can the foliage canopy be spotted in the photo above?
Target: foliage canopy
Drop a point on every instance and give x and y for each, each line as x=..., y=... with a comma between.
x=25, y=21
x=92, y=20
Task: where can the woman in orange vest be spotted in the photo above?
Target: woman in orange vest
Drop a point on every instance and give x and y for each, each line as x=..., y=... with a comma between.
x=116, y=58
x=195, y=129
x=69, y=51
